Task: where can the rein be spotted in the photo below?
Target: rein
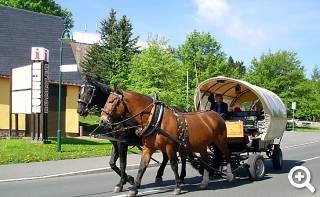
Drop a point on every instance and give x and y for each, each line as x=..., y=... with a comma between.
x=153, y=124
x=127, y=119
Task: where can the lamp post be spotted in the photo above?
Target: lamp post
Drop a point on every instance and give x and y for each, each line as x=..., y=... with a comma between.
x=64, y=38
x=293, y=107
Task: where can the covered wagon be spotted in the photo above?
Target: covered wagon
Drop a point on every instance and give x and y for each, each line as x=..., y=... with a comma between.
x=256, y=120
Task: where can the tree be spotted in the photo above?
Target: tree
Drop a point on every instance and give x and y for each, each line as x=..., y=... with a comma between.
x=203, y=58
x=315, y=76
x=239, y=70
x=108, y=61
x=279, y=72
x=308, y=101
x=155, y=70
x=42, y=6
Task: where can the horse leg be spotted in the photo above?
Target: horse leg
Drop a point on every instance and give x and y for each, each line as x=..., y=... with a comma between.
x=123, y=164
x=223, y=147
x=174, y=166
x=144, y=162
x=123, y=150
x=205, y=178
x=165, y=160
x=183, y=167
x=114, y=157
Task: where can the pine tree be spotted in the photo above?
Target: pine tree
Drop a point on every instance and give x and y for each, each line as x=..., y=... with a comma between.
x=108, y=61
x=237, y=67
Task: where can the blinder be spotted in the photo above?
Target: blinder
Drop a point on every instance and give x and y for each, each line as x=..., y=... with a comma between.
x=119, y=99
x=87, y=103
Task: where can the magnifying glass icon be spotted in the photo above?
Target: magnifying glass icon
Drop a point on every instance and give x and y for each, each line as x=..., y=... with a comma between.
x=299, y=177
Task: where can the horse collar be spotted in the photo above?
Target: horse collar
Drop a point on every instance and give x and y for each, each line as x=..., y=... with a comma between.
x=154, y=121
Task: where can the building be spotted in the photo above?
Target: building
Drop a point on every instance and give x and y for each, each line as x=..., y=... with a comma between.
x=19, y=31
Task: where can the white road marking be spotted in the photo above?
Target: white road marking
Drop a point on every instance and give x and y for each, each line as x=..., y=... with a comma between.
x=59, y=175
x=108, y=168
x=140, y=193
x=152, y=191
x=313, y=158
x=310, y=159
x=298, y=145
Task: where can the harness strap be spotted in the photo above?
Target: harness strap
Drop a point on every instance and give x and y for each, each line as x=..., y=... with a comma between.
x=166, y=134
x=130, y=118
x=141, y=131
x=91, y=97
x=156, y=127
x=182, y=128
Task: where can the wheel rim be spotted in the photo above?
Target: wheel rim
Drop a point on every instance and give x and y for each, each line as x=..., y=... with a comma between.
x=259, y=168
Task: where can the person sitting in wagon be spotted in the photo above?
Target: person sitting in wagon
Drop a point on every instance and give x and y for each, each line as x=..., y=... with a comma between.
x=219, y=106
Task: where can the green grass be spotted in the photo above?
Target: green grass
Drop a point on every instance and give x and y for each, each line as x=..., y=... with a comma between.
x=90, y=119
x=304, y=129
x=90, y=123
x=25, y=151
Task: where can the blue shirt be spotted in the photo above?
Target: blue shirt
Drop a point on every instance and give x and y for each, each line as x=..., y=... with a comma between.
x=219, y=108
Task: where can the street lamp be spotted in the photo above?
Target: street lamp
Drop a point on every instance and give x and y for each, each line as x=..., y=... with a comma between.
x=63, y=39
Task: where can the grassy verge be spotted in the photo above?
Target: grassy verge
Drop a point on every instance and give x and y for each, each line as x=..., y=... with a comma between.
x=90, y=123
x=304, y=129
x=24, y=151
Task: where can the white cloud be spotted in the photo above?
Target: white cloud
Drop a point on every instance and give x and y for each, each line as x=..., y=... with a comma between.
x=218, y=13
x=212, y=10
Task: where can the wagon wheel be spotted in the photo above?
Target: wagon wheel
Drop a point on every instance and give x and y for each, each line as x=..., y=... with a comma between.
x=277, y=159
x=257, y=169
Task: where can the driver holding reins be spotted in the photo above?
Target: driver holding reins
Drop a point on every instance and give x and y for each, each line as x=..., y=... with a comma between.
x=218, y=106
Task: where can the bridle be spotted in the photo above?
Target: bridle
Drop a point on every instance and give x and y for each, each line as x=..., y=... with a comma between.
x=87, y=103
x=119, y=99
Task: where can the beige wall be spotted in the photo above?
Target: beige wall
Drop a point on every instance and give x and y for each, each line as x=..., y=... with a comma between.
x=72, y=117
x=4, y=107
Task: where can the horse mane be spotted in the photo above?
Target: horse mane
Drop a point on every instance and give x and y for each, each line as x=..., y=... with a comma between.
x=139, y=94
x=174, y=108
x=104, y=89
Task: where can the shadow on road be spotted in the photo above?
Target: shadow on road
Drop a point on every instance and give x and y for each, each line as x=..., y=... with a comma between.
x=217, y=183
x=287, y=165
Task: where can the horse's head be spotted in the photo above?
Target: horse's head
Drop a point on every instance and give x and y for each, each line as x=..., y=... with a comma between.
x=87, y=93
x=114, y=109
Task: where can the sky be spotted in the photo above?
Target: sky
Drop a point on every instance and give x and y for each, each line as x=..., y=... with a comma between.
x=245, y=28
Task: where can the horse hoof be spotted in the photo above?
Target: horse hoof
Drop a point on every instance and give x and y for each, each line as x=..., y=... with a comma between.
x=230, y=177
x=132, y=193
x=203, y=186
x=158, y=180
x=130, y=179
x=177, y=191
x=117, y=189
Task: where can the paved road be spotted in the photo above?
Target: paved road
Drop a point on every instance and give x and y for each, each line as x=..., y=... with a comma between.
x=298, y=149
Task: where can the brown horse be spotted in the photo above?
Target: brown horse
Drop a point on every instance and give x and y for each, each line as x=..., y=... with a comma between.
x=204, y=128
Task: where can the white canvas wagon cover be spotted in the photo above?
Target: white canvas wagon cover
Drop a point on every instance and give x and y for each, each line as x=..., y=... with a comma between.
x=236, y=91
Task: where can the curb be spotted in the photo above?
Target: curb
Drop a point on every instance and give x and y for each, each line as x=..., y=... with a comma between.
x=82, y=172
